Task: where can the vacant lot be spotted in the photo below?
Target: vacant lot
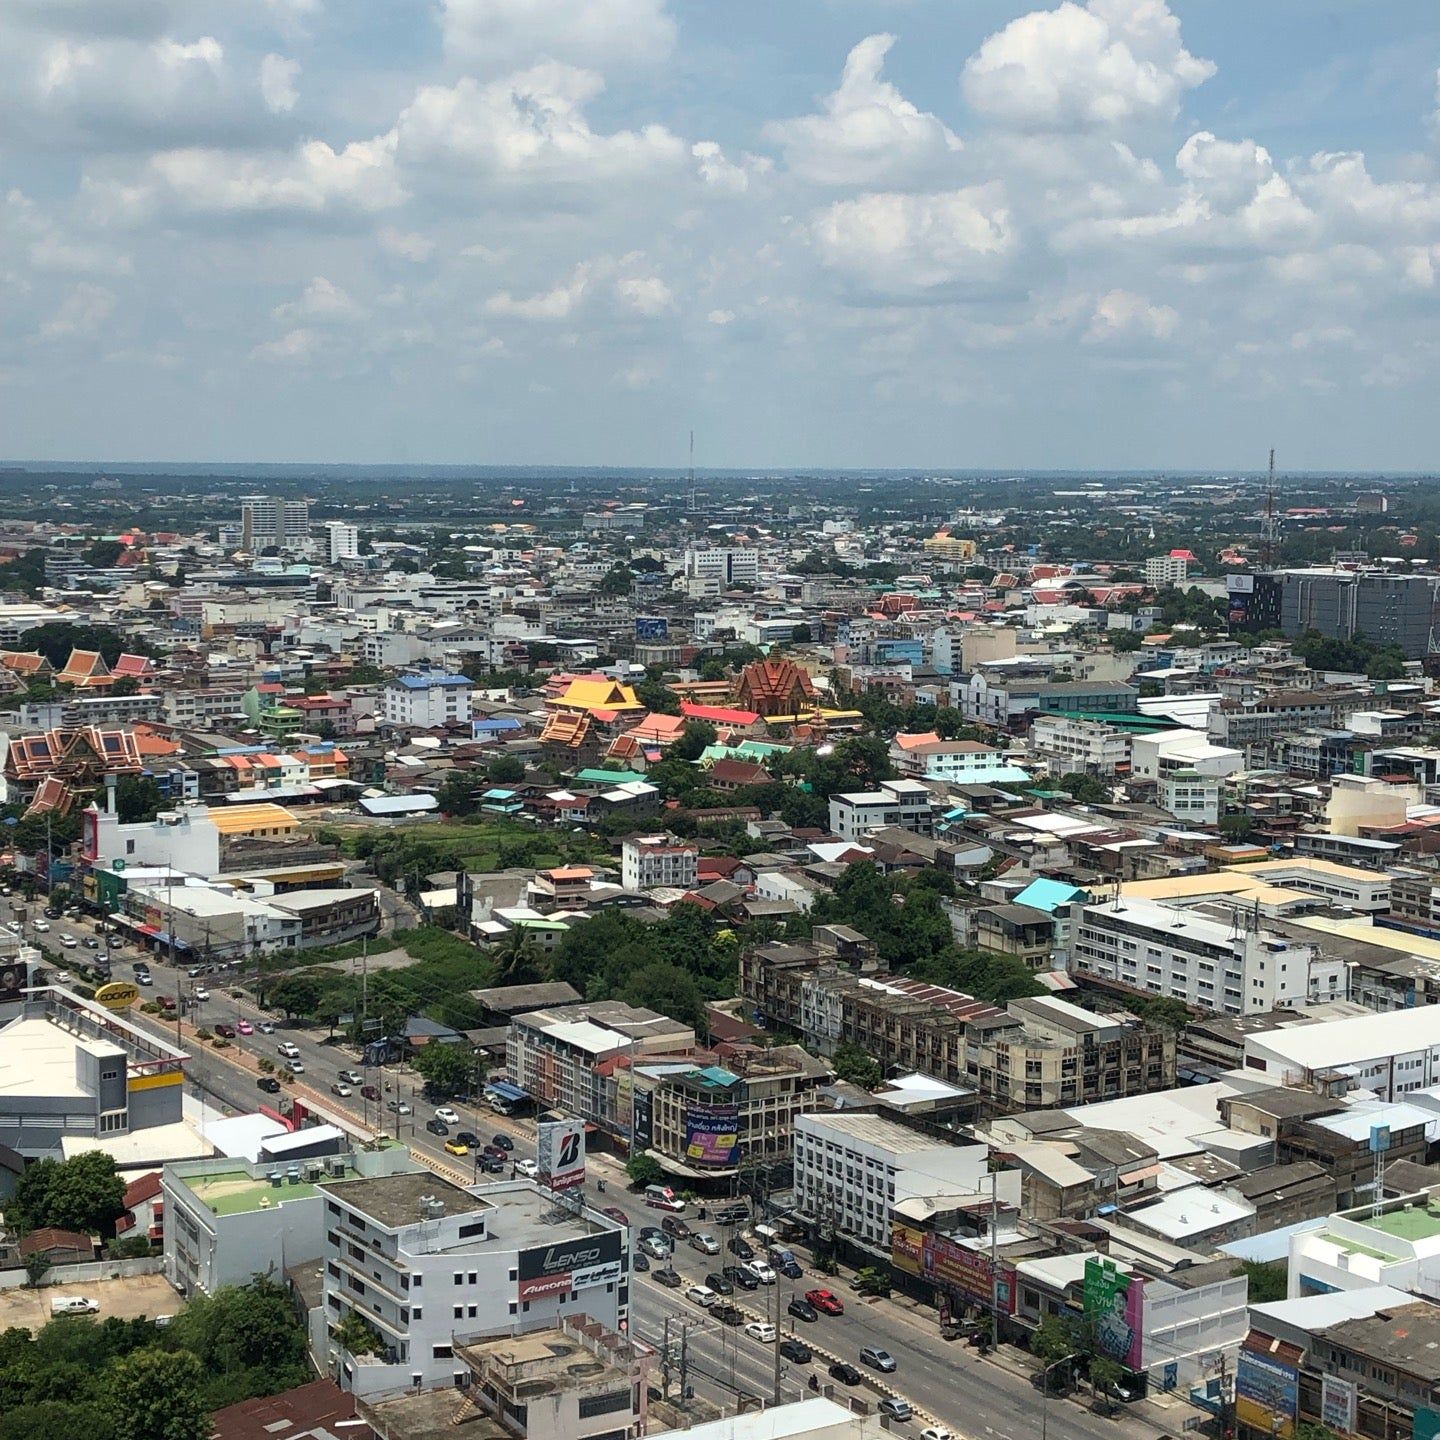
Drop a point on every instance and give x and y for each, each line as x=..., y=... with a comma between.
x=126, y=1299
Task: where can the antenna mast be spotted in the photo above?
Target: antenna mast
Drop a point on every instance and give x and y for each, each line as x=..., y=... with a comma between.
x=1269, y=549
x=692, y=472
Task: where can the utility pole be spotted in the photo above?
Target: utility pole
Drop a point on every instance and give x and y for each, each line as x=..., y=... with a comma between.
x=684, y=1358
x=1269, y=546
x=665, y=1361
x=994, y=1257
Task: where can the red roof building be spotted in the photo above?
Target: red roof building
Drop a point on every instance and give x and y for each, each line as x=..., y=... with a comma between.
x=775, y=687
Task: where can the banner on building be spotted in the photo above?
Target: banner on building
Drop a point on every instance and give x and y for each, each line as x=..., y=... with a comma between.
x=14, y=977
x=644, y=1119
x=560, y=1153
x=1267, y=1395
x=954, y=1267
x=712, y=1134
x=1114, y=1306
x=652, y=627
x=569, y=1266
x=1339, y=1400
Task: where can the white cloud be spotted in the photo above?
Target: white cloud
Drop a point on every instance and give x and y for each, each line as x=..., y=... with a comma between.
x=1121, y=314
x=322, y=301
x=498, y=34
x=721, y=317
x=528, y=127
x=867, y=132
x=645, y=294
x=902, y=243
x=82, y=312
x=292, y=347
x=1105, y=65
x=553, y=304
x=406, y=244
x=719, y=173
x=278, y=75
x=206, y=51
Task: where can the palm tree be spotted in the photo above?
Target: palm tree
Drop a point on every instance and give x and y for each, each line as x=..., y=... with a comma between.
x=518, y=960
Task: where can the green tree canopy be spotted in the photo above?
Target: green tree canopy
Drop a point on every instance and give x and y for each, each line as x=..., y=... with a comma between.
x=448, y=1069
x=58, y=638
x=856, y=1064
x=83, y=1194
x=157, y=1395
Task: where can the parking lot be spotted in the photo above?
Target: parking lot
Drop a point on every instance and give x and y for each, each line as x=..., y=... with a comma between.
x=127, y=1299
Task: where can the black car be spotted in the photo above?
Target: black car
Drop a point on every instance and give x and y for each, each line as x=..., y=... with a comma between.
x=269, y=1084
x=719, y=1284
x=794, y=1350
x=503, y=1141
x=736, y=1246
x=802, y=1309
x=437, y=1127
x=675, y=1227
x=845, y=1373
x=791, y=1270
x=646, y=1231
x=742, y=1278
x=469, y=1139
x=670, y=1279
x=640, y=1261
x=490, y=1165
x=726, y=1313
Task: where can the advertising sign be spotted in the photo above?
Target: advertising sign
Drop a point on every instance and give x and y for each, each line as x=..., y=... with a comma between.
x=1338, y=1399
x=14, y=977
x=119, y=995
x=569, y=1265
x=560, y=1153
x=644, y=1119
x=941, y=1261
x=652, y=627
x=712, y=1134
x=1114, y=1303
x=1267, y=1394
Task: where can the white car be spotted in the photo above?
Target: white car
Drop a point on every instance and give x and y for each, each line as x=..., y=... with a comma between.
x=448, y=1115
x=265, y=1027
x=528, y=1168
x=701, y=1295
x=759, y=1270
x=289, y=1051
x=74, y=1305
x=761, y=1330
x=936, y=1432
x=296, y=1067
x=42, y=926
x=201, y=993
x=69, y=942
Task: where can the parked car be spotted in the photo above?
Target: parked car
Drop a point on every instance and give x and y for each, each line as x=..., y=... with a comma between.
x=470, y=1138
x=226, y=1032
x=760, y=1271
x=501, y=1139
x=341, y=1089
x=825, y=1302
x=244, y=1027
x=726, y=1313
x=288, y=1050
x=269, y=1084
x=640, y=1262
x=702, y=1295
x=736, y=1246
x=719, y=1283
x=845, y=1373
x=895, y=1408
x=673, y=1225
x=705, y=1244
x=668, y=1278
x=878, y=1359
x=454, y=1147
x=354, y=1077
x=655, y=1248
x=802, y=1309
x=761, y=1330
x=74, y=1305
x=796, y=1351
x=738, y=1275
x=448, y=1114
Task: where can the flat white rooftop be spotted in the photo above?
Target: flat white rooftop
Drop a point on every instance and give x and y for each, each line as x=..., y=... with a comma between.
x=38, y=1058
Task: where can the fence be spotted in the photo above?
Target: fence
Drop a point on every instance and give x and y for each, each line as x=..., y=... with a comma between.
x=93, y=1270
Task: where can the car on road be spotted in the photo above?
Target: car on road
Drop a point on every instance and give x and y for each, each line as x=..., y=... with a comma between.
x=501, y=1139
x=640, y=1262
x=295, y=1067
x=454, y=1147
x=650, y=1232
x=655, y=1248
x=269, y=1084
x=244, y=1027
x=790, y=1269
x=736, y=1246
x=667, y=1277
x=845, y=1373
x=741, y=1277
x=437, y=1127
x=142, y=977
x=726, y=1313
x=354, y=1077
x=399, y=1107
x=447, y=1114
x=201, y=993
x=90, y=943
x=43, y=926
x=761, y=1330
x=615, y=1213
x=878, y=1359
x=702, y=1295
x=289, y=1050
x=719, y=1283
x=936, y=1432
x=69, y=942
x=194, y=972
x=760, y=1271
x=465, y=1137
x=672, y=1225
x=705, y=1244
x=490, y=1165
x=895, y=1408
x=370, y=1092
x=341, y=1089
x=265, y=1027
x=796, y=1351
x=495, y=1151
x=528, y=1168
x=802, y=1309
x=825, y=1302
x=166, y=1002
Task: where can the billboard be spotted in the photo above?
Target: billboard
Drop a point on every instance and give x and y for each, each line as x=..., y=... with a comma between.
x=1338, y=1404
x=560, y=1152
x=1114, y=1304
x=119, y=995
x=570, y=1265
x=712, y=1134
x=652, y=627
x=14, y=977
x=644, y=1119
x=957, y=1268
x=1267, y=1394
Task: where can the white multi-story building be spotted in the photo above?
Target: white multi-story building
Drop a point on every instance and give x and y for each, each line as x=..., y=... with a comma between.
x=851, y=1168
x=267, y=521
x=1189, y=796
x=343, y=541
x=1083, y=747
x=185, y=708
x=725, y=566
x=1163, y=572
x=425, y=1266
x=426, y=701
x=905, y=803
x=653, y=862
x=1205, y=960
x=1152, y=755
x=1391, y=1054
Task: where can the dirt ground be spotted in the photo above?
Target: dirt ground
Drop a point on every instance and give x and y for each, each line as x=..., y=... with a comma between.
x=126, y=1299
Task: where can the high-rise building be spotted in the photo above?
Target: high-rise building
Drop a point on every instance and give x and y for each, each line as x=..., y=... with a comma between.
x=266, y=521
x=344, y=541
x=1387, y=608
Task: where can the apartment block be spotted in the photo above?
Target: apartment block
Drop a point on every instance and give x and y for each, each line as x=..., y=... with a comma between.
x=1085, y=747
x=907, y=804
x=656, y=862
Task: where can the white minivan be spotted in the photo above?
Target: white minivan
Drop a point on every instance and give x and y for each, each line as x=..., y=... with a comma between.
x=662, y=1197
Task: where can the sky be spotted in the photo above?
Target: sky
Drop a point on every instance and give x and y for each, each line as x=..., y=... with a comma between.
x=820, y=233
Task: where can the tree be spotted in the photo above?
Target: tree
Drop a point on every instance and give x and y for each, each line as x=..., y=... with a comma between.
x=36, y=1266
x=1268, y=1281
x=618, y=581
x=446, y=1069
x=855, y=1064
x=800, y=635
x=1084, y=789
x=643, y=1170
x=102, y=554
x=137, y=798
x=1054, y=1339
x=505, y=770
x=657, y=697
x=518, y=959
x=669, y=990
x=58, y=638
x=156, y=1395
x=244, y=1328
x=695, y=739
x=83, y=1194
x=297, y=994
x=456, y=795
x=354, y=1335
x=872, y=1281
x=1105, y=1374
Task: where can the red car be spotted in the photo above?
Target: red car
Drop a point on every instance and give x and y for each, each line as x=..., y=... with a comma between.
x=825, y=1302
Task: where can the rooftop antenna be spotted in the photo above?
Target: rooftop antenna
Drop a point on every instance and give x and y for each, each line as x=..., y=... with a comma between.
x=692, y=472
x=1269, y=548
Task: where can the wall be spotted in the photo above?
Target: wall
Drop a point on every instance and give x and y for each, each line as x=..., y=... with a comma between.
x=62, y=1275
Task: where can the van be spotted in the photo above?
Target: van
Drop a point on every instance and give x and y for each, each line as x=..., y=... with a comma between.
x=662, y=1197
x=370, y=1092
x=74, y=1305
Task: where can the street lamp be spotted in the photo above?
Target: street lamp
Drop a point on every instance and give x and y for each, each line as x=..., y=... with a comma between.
x=1045, y=1391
